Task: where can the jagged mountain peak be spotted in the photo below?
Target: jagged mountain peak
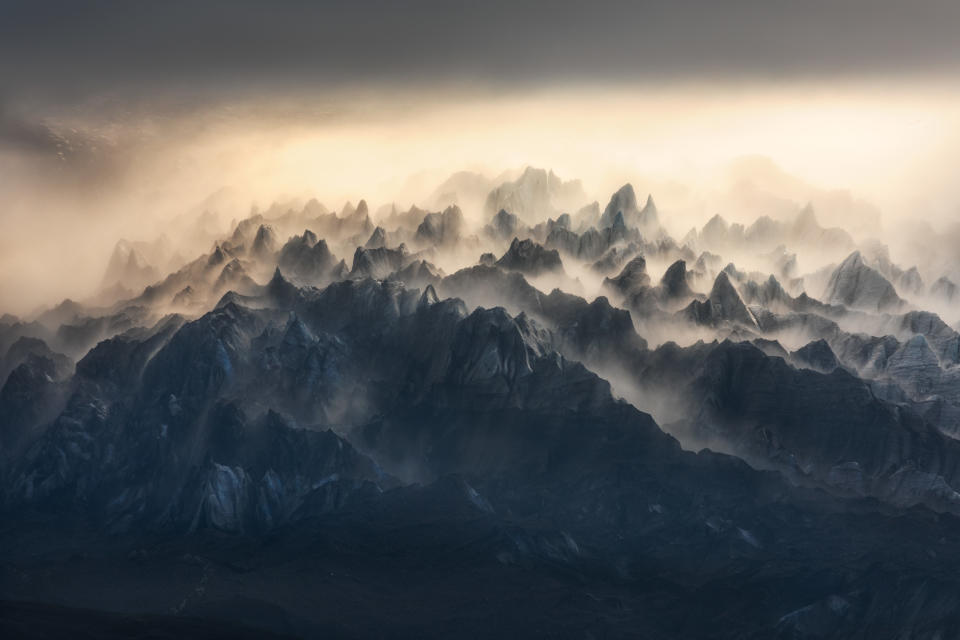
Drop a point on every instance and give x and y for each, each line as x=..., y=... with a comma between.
x=716, y=224
x=674, y=281
x=296, y=332
x=535, y=195
x=623, y=201
x=429, y=296
x=308, y=238
x=314, y=208
x=723, y=305
x=218, y=256
x=378, y=263
x=504, y=224
x=648, y=217
x=723, y=288
x=529, y=257
x=442, y=228
x=853, y=260
x=281, y=291
x=377, y=239
x=265, y=242
x=855, y=284
x=631, y=278
x=362, y=209
x=816, y=355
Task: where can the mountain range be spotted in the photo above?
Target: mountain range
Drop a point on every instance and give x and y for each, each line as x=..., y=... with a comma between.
x=554, y=420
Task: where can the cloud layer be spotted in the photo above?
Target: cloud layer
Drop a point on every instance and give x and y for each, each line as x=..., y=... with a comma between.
x=75, y=49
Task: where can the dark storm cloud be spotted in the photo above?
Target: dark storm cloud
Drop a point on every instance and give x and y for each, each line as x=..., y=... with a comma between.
x=74, y=49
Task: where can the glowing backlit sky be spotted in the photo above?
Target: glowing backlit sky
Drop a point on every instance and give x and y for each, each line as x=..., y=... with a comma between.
x=116, y=115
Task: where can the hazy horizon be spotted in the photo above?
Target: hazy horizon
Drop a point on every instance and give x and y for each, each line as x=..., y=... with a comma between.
x=115, y=118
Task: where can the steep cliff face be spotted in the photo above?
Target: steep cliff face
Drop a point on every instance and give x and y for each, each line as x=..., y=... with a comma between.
x=828, y=427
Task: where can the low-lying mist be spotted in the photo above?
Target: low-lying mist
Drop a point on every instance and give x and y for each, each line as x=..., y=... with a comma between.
x=77, y=180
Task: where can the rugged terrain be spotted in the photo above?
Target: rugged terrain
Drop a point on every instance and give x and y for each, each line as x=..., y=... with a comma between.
x=561, y=422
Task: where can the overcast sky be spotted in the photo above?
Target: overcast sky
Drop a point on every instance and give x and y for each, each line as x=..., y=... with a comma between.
x=68, y=50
